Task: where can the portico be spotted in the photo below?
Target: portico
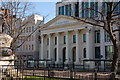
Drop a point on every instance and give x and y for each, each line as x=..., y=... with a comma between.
x=65, y=42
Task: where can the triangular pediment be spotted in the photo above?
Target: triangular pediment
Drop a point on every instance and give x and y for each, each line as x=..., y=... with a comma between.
x=59, y=21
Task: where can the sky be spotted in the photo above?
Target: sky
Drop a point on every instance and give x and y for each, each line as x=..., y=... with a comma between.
x=46, y=9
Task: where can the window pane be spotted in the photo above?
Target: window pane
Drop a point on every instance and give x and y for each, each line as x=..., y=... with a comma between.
x=82, y=9
x=84, y=37
x=107, y=37
x=74, y=38
x=77, y=9
x=92, y=11
x=64, y=39
x=62, y=10
x=97, y=52
x=86, y=11
x=55, y=40
x=66, y=10
x=108, y=52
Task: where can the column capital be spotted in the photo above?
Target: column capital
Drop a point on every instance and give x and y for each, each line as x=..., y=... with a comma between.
x=42, y=35
x=77, y=31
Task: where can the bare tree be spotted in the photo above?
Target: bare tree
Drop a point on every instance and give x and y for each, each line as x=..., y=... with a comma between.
x=16, y=21
x=107, y=19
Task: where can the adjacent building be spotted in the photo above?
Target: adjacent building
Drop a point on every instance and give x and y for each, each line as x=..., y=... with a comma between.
x=30, y=48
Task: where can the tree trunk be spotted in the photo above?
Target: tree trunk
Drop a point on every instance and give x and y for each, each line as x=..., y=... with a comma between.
x=114, y=66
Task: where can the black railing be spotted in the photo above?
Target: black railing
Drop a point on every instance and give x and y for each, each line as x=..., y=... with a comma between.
x=23, y=69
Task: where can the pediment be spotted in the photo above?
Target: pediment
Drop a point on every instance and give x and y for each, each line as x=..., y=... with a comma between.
x=59, y=21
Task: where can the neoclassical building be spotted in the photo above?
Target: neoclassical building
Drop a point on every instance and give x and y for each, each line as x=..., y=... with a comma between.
x=66, y=40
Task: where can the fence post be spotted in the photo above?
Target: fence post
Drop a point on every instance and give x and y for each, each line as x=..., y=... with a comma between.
x=95, y=74
x=71, y=74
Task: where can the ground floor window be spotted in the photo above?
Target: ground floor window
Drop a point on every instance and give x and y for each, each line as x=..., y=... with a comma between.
x=55, y=53
x=84, y=52
x=97, y=52
x=108, y=52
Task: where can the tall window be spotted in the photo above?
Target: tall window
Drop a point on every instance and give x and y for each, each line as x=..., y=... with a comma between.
x=94, y=7
x=77, y=9
x=74, y=38
x=47, y=41
x=84, y=37
x=92, y=11
x=97, y=36
x=64, y=39
x=62, y=10
x=104, y=8
x=107, y=37
x=55, y=40
x=84, y=52
x=59, y=10
x=82, y=9
x=108, y=52
x=55, y=53
x=85, y=12
x=97, y=52
x=66, y=10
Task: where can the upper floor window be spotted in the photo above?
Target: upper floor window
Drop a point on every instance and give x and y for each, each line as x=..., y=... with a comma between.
x=64, y=39
x=107, y=37
x=66, y=10
x=74, y=38
x=77, y=9
x=61, y=10
x=85, y=11
x=55, y=40
x=84, y=37
x=94, y=8
x=97, y=36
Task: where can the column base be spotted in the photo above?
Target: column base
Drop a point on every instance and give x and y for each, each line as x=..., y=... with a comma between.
x=77, y=63
x=58, y=62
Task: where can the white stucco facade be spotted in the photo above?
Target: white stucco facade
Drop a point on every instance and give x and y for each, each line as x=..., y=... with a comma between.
x=66, y=40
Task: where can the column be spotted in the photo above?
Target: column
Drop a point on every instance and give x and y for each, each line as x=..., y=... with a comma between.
x=78, y=48
x=90, y=46
x=59, y=54
x=42, y=47
x=51, y=49
x=68, y=51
